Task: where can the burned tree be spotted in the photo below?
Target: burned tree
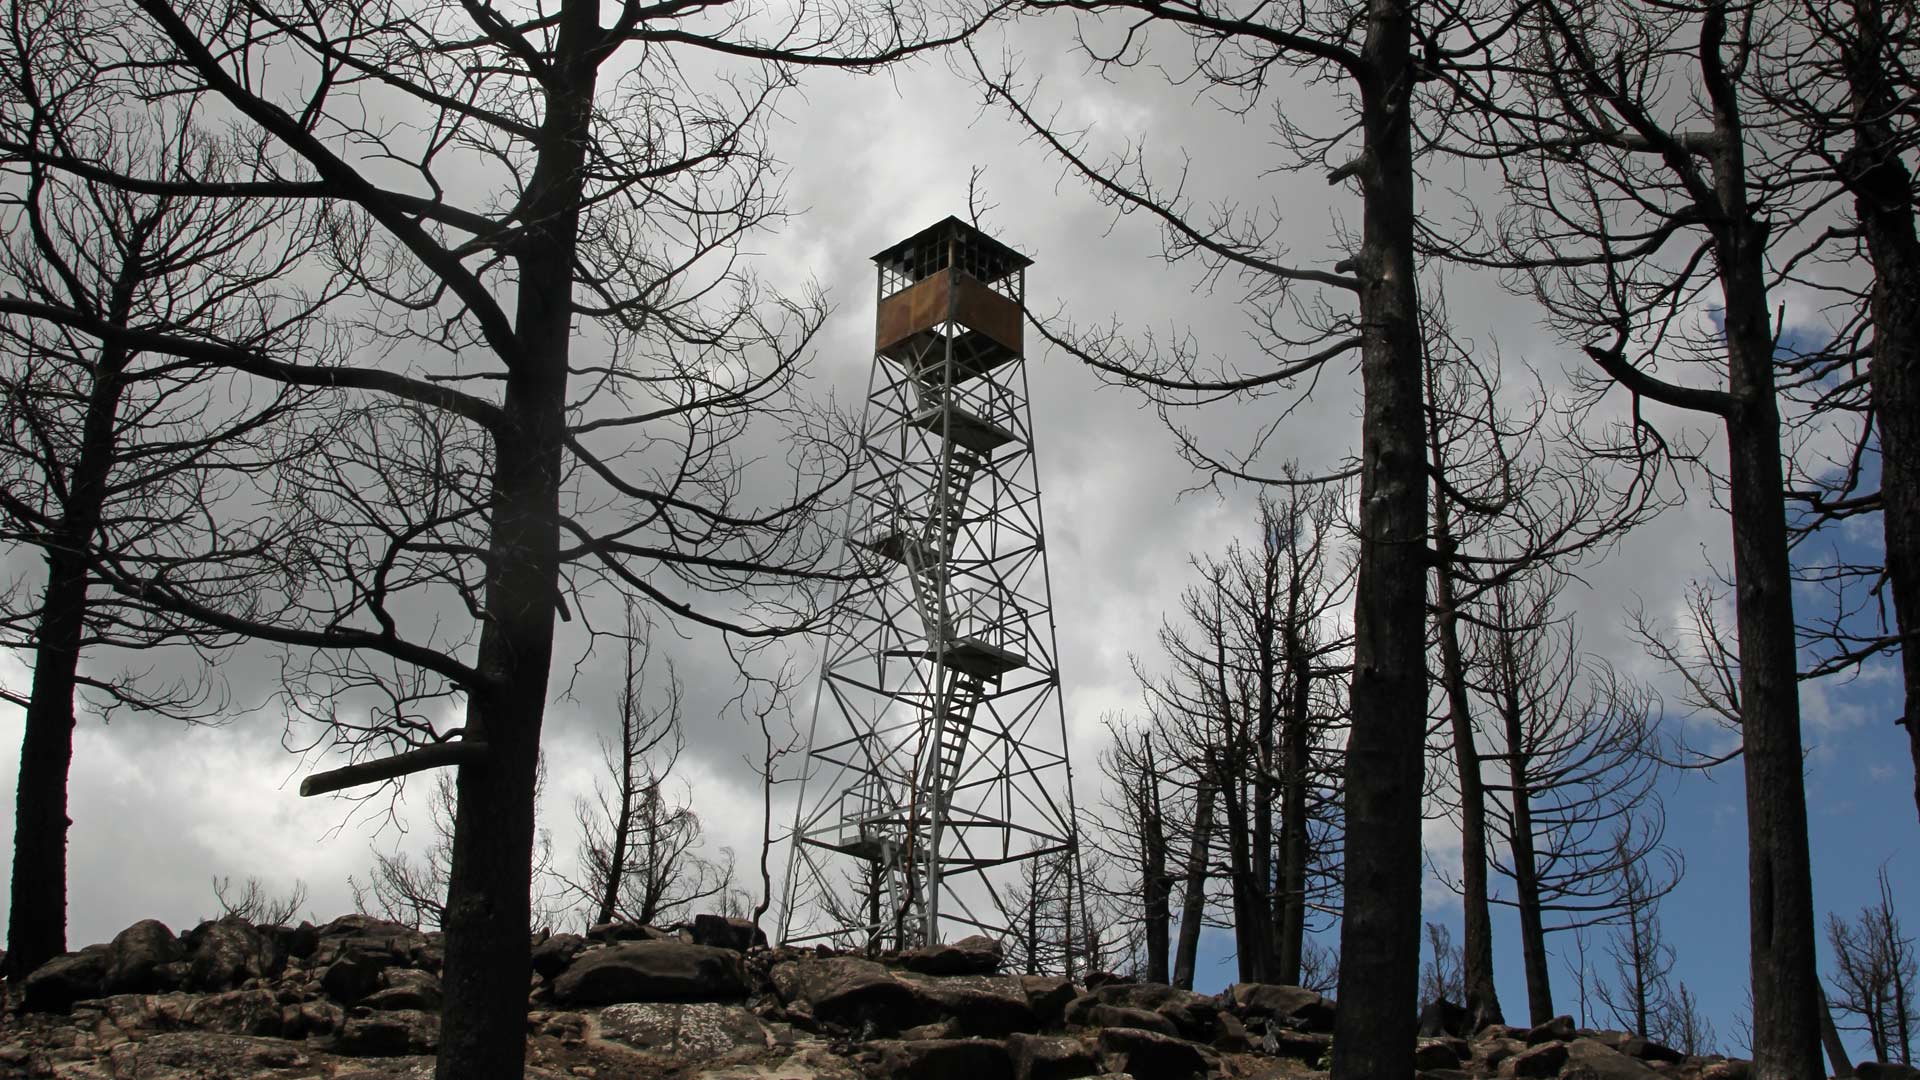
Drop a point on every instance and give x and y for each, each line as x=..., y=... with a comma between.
x=1630, y=205
x=109, y=448
x=557, y=350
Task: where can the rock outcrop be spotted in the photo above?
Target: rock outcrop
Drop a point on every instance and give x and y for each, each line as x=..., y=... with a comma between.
x=358, y=999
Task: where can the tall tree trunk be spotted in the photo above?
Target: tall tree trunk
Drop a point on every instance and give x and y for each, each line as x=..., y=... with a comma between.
x=1291, y=900
x=1526, y=875
x=1261, y=886
x=37, y=920
x=1380, y=929
x=1193, y=889
x=1780, y=883
x=483, y=1026
x=1483, y=1000
x=1156, y=887
x=1883, y=201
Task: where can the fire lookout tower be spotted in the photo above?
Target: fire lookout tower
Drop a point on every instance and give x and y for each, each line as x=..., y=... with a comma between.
x=938, y=792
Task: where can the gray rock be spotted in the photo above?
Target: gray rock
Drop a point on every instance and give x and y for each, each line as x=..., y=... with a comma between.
x=552, y=956
x=1295, y=1006
x=1537, y=1061
x=1304, y=1046
x=55, y=985
x=846, y=991
x=229, y=951
x=1050, y=1057
x=368, y=936
x=1560, y=1029
x=1231, y=1035
x=199, y=1055
x=1152, y=1054
x=236, y=1012
x=1885, y=1070
x=652, y=971
x=974, y=955
x=1124, y=1016
x=1446, y=1052
x=626, y=931
x=354, y=975
x=1049, y=995
x=405, y=988
x=940, y=1059
x=991, y=1006
x=723, y=933
x=687, y=1031
x=1597, y=1061
x=136, y=955
x=388, y=1034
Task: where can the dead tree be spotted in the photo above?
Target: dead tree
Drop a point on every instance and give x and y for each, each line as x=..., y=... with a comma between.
x=1836, y=90
x=1574, y=739
x=1629, y=207
x=639, y=838
x=1639, y=996
x=1875, y=975
x=1387, y=59
x=562, y=348
x=106, y=446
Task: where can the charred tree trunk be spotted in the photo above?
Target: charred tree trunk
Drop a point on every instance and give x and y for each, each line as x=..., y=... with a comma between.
x=1193, y=892
x=1780, y=882
x=1483, y=1000
x=1526, y=874
x=483, y=1031
x=37, y=924
x=1883, y=201
x=1291, y=917
x=1156, y=886
x=1380, y=929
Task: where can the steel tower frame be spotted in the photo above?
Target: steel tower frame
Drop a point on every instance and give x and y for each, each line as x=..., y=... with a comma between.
x=937, y=756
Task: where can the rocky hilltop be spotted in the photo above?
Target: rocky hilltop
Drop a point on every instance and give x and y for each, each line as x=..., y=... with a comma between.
x=357, y=999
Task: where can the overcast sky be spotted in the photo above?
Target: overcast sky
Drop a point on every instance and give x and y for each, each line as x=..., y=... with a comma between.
x=158, y=809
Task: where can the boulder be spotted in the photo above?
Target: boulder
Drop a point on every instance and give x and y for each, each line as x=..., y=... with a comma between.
x=236, y=1012
x=974, y=955
x=1049, y=995
x=1050, y=1057
x=199, y=1055
x=55, y=985
x=1647, y=1050
x=626, y=931
x=1123, y=1016
x=137, y=955
x=1738, y=1069
x=1305, y=1046
x=405, y=988
x=354, y=975
x=1294, y=1006
x=1446, y=1052
x=720, y=932
x=1443, y=1017
x=1558, y=1029
x=1536, y=1061
x=940, y=1059
x=551, y=957
x=690, y=1032
x=992, y=1006
x=652, y=971
x=846, y=991
x=1884, y=1070
x=228, y=951
x=1598, y=1061
x=1230, y=1035
x=1151, y=1054
x=388, y=1034
x=373, y=937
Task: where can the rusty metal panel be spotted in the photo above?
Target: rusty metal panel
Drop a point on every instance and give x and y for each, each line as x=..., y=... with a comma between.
x=922, y=306
x=982, y=309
